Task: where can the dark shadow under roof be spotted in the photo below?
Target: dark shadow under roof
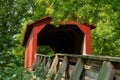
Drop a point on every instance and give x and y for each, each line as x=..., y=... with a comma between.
x=30, y=27
x=64, y=39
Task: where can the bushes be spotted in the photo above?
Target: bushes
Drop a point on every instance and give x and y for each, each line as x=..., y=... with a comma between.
x=20, y=73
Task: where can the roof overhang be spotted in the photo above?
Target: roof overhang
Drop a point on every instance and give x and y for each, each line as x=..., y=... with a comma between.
x=30, y=26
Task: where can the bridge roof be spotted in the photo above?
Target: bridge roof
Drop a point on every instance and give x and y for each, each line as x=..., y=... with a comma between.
x=67, y=37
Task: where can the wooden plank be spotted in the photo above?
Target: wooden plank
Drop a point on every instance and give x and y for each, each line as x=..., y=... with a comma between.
x=62, y=69
x=40, y=61
x=77, y=71
x=92, y=61
x=44, y=55
x=35, y=63
x=93, y=57
x=107, y=71
x=67, y=74
x=91, y=74
x=53, y=68
x=102, y=58
x=49, y=62
x=43, y=62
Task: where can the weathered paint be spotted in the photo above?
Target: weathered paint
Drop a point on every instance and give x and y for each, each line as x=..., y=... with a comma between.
x=32, y=43
x=87, y=40
x=85, y=67
x=37, y=26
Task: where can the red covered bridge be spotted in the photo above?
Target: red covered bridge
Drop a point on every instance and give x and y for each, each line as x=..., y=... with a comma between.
x=71, y=43
x=71, y=37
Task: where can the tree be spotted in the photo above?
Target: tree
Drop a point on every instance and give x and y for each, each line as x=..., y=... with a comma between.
x=103, y=14
x=14, y=14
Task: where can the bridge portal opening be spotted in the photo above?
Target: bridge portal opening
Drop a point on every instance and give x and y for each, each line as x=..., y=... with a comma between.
x=70, y=37
x=62, y=39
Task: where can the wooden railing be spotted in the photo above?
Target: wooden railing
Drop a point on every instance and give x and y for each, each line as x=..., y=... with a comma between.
x=79, y=67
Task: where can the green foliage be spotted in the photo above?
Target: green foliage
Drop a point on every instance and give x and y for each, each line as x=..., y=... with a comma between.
x=104, y=14
x=45, y=50
x=15, y=14
x=10, y=67
x=12, y=14
x=38, y=73
x=105, y=38
x=23, y=74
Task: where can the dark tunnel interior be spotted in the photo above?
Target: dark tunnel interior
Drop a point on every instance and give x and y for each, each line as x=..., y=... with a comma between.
x=62, y=39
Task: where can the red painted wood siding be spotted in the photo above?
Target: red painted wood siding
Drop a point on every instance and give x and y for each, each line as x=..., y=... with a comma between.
x=86, y=30
x=38, y=26
x=32, y=43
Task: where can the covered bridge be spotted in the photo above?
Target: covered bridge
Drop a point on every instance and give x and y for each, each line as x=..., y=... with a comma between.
x=70, y=37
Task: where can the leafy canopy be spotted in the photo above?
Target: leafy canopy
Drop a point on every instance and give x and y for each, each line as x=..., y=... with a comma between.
x=15, y=14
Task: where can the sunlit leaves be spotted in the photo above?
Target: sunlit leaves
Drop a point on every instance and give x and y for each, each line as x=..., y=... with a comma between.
x=12, y=14
x=104, y=14
x=15, y=14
